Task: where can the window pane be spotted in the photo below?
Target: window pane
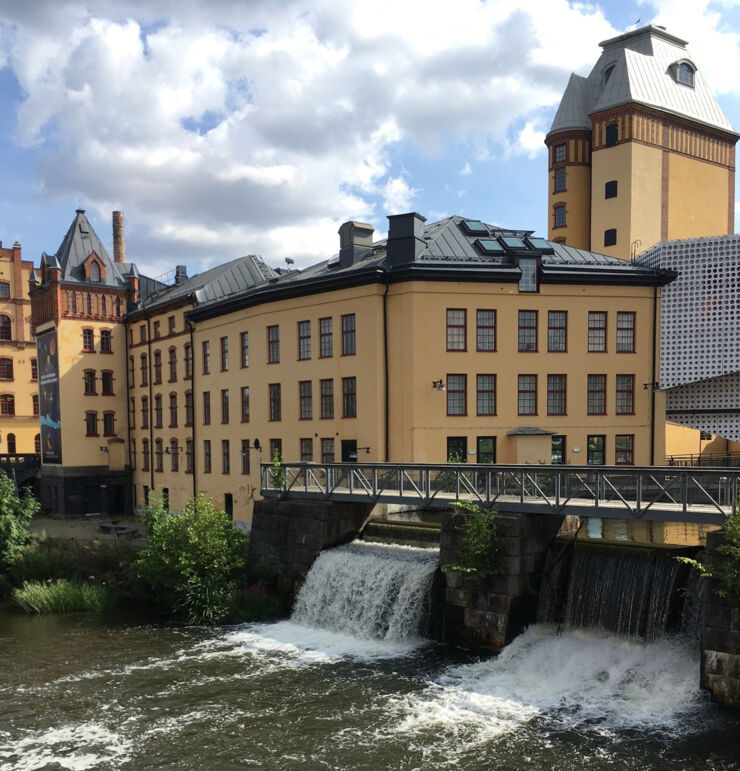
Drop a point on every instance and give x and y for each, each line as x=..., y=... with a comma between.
x=456, y=329
x=485, y=335
x=527, y=398
x=557, y=331
x=597, y=331
x=527, y=330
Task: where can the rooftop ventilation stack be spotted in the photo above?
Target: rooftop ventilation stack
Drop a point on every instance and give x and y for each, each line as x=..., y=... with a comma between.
x=355, y=242
x=405, y=238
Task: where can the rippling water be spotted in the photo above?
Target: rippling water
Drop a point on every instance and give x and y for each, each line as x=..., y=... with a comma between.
x=77, y=694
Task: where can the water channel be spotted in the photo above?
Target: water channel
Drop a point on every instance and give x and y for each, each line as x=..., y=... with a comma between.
x=328, y=690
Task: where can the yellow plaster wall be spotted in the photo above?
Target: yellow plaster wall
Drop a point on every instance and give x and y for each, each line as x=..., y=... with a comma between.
x=698, y=198
x=682, y=440
x=576, y=197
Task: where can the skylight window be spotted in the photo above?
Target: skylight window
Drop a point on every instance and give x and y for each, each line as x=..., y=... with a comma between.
x=514, y=242
x=540, y=243
x=475, y=227
x=489, y=246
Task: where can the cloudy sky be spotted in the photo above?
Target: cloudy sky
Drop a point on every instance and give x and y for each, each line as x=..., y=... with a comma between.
x=223, y=128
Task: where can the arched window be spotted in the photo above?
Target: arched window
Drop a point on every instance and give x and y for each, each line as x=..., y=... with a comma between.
x=5, y=328
x=37, y=444
x=158, y=453
x=11, y=444
x=157, y=364
x=158, y=411
x=4, y=290
x=173, y=410
x=685, y=74
x=7, y=404
x=6, y=369
x=94, y=272
x=174, y=459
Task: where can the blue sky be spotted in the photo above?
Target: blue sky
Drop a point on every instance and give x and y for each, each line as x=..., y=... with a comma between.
x=228, y=128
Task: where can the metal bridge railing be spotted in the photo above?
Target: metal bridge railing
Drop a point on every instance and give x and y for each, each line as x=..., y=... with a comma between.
x=697, y=494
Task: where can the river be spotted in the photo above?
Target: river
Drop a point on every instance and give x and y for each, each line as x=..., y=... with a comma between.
x=79, y=693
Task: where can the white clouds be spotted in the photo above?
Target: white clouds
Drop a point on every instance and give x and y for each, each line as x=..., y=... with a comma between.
x=398, y=195
x=530, y=141
x=466, y=170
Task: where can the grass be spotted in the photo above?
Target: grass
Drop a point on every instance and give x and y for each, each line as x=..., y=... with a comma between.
x=62, y=596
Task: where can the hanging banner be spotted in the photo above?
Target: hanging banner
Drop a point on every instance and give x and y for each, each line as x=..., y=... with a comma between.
x=51, y=422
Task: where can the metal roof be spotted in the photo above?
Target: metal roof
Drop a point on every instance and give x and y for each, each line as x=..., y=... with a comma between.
x=642, y=72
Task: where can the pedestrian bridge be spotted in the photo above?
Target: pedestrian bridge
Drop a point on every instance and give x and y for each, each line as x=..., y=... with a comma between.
x=654, y=493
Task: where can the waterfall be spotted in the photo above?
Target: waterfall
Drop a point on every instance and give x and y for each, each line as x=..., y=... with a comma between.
x=630, y=591
x=368, y=590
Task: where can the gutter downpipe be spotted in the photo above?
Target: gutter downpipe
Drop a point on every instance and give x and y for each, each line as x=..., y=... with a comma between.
x=151, y=402
x=385, y=362
x=654, y=381
x=191, y=327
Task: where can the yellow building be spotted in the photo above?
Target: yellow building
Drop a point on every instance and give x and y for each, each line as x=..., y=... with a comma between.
x=19, y=423
x=640, y=151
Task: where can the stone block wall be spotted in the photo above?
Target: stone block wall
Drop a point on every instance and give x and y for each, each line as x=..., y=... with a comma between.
x=490, y=615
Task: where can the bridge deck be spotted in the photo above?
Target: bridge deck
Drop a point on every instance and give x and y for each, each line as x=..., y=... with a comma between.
x=699, y=495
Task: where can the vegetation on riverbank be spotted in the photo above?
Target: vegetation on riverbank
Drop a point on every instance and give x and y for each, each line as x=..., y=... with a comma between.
x=480, y=555
x=62, y=596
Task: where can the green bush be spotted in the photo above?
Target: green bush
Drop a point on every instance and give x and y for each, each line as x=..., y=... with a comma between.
x=61, y=597
x=194, y=562
x=255, y=603
x=15, y=514
x=479, y=556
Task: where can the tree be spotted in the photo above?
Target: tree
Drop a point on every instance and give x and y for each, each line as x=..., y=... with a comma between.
x=15, y=515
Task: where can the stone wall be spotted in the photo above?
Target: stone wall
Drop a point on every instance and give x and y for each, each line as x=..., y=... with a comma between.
x=299, y=530
x=720, y=660
x=491, y=615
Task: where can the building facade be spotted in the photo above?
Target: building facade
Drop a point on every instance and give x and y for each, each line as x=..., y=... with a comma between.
x=639, y=151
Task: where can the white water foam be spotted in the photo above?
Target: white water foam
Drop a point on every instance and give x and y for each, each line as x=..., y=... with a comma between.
x=580, y=680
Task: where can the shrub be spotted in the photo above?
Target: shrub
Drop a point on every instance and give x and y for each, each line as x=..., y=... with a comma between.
x=479, y=556
x=61, y=597
x=15, y=514
x=194, y=561
x=255, y=603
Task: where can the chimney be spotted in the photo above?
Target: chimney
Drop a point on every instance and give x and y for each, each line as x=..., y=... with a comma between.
x=405, y=238
x=355, y=242
x=119, y=239
x=181, y=274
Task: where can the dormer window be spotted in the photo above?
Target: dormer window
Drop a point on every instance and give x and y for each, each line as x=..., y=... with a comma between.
x=683, y=71
x=94, y=272
x=606, y=75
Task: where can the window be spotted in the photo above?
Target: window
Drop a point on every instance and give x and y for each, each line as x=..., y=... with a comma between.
x=596, y=404
x=275, y=405
x=224, y=354
x=485, y=330
x=188, y=408
x=89, y=305
x=94, y=272
x=486, y=449
x=35, y=400
x=457, y=449
x=37, y=444
x=91, y=423
x=457, y=395
x=158, y=411
x=145, y=455
x=685, y=74
x=306, y=448
x=625, y=332
x=528, y=279
x=560, y=180
x=189, y=456
x=103, y=306
x=557, y=331
x=456, y=327
x=4, y=290
x=276, y=449
x=349, y=397
x=245, y=456
x=557, y=452
x=109, y=424
x=485, y=394
x=304, y=339
x=118, y=306
x=624, y=449
x=173, y=364
x=327, y=450
x=610, y=237
x=527, y=331
x=305, y=399
x=173, y=410
x=11, y=444
x=245, y=349
x=560, y=153
x=6, y=369
x=158, y=455
x=156, y=330
x=142, y=333
x=327, y=398
x=171, y=324
x=5, y=329
x=556, y=394
x=273, y=344
x=625, y=403
x=174, y=455
x=527, y=395
x=224, y=405
x=206, y=456
x=132, y=412
x=326, y=338
x=88, y=378
x=157, y=367
x=206, y=408
x=245, y=404
x=612, y=134
x=131, y=371
x=144, y=370
x=349, y=343
x=206, y=357
x=144, y=412
x=73, y=305
x=559, y=216
x=188, y=362
x=595, y=446
x=87, y=338
x=105, y=341
x=597, y=331
x=107, y=382
x=610, y=189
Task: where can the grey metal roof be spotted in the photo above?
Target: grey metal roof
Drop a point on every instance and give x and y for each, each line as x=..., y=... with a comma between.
x=526, y=431
x=642, y=73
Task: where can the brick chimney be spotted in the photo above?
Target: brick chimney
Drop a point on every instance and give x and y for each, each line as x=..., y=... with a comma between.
x=119, y=238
